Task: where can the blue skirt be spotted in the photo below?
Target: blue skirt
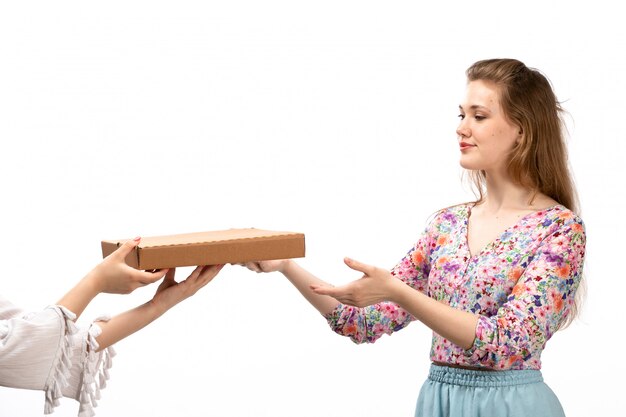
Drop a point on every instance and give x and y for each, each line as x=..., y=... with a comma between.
x=454, y=392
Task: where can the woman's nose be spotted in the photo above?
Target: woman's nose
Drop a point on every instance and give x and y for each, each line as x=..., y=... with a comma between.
x=463, y=131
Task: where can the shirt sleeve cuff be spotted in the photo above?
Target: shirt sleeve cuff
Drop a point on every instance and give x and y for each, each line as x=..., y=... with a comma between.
x=80, y=371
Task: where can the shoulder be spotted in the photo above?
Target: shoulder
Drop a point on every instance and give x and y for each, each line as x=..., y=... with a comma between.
x=451, y=214
x=564, y=218
x=447, y=219
x=560, y=224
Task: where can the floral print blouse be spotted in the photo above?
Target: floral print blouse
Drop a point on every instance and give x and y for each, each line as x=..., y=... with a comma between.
x=522, y=286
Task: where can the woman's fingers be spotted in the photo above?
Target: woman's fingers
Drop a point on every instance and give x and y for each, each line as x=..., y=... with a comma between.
x=253, y=266
x=202, y=275
x=359, y=266
x=169, y=280
x=330, y=290
x=126, y=248
x=171, y=273
x=146, y=278
x=209, y=272
x=343, y=294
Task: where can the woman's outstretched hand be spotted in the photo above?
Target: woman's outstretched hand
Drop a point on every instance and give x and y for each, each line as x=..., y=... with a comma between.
x=374, y=286
x=171, y=292
x=266, y=266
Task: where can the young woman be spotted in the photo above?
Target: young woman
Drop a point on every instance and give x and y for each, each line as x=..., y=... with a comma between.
x=494, y=279
x=46, y=351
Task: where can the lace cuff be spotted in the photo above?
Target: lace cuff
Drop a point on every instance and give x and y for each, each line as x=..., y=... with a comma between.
x=79, y=371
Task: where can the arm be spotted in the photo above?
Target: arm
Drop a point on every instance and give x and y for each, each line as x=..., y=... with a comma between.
x=360, y=324
x=38, y=349
x=377, y=285
x=299, y=278
x=111, y=276
x=534, y=311
x=91, y=356
x=167, y=296
x=46, y=351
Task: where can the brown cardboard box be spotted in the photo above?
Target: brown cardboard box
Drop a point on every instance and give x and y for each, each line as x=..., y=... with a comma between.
x=210, y=248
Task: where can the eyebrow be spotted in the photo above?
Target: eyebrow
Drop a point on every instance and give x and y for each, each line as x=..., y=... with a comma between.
x=475, y=107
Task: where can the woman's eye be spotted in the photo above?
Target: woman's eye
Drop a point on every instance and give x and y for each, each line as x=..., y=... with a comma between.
x=461, y=116
x=479, y=117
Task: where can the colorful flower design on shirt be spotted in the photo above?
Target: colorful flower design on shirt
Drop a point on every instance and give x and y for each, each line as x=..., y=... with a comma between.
x=521, y=285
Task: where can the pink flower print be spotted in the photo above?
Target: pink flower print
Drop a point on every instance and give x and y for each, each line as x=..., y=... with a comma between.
x=439, y=353
x=559, y=244
x=541, y=313
x=391, y=311
x=516, y=305
x=487, y=303
x=380, y=329
x=435, y=288
x=479, y=285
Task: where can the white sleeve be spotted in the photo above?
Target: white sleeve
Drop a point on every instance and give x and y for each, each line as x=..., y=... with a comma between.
x=47, y=351
x=8, y=310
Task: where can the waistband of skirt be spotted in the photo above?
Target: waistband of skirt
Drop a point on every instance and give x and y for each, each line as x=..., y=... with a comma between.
x=475, y=378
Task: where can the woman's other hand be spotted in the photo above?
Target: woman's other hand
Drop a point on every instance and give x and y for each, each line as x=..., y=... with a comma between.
x=374, y=286
x=278, y=265
x=114, y=276
x=171, y=292
x=167, y=295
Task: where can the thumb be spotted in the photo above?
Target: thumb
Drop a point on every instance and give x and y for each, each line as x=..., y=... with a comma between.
x=171, y=273
x=358, y=266
x=169, y=280
x=127, y=247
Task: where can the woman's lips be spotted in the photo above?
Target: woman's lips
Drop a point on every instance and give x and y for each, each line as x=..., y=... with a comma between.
x=465, y=145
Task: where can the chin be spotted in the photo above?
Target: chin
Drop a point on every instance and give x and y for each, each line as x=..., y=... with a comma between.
x=469, y=165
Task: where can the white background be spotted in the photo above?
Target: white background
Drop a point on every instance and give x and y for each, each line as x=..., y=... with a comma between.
x=332, y=118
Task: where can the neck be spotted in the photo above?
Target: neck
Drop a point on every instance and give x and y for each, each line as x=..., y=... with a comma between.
x=503, y=194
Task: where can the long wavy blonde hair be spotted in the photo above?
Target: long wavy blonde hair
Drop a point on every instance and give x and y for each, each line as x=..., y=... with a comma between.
x=539, y=161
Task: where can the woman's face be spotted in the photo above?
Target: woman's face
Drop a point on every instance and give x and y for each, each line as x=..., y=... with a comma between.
x=485, y=136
